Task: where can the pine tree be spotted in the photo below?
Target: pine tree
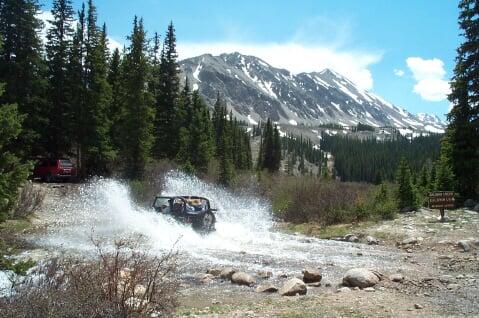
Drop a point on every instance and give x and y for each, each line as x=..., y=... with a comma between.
x=59, y=42
x=12, y=171
x=463, y=128
x=201, y=146
x=276, y=149
x=405, y=193
x=116, y=108
x=139, y=112
x=76, y=88
x=23, y=71
x=167, y=117
x=97, y=145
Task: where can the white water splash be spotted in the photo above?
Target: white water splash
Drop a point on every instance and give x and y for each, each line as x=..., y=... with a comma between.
x=244, y=235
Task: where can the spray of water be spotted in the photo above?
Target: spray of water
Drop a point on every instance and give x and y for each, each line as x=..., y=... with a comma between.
x=244, y=235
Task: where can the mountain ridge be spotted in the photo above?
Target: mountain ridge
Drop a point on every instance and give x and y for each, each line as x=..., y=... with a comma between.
x=255, y=91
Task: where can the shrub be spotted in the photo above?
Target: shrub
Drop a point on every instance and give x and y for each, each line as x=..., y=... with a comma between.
x=309, y=199
x=122, y=282
x=29, y=200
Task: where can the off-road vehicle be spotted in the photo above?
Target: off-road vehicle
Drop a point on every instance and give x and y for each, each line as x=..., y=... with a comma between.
x=192, y=210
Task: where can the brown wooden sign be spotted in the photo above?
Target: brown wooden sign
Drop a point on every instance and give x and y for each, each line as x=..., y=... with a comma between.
x=441, y=200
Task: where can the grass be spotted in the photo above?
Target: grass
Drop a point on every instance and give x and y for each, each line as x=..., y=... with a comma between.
x=11, y=245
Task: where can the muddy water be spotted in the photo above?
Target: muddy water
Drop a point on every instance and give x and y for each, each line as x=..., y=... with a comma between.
x=244, y=239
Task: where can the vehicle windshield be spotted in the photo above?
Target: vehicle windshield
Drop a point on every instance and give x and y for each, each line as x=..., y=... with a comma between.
x=161, y=203
x=66, y=163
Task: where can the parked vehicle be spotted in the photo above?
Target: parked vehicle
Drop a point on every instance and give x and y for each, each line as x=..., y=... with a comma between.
x=192, y=210
x=50, y=170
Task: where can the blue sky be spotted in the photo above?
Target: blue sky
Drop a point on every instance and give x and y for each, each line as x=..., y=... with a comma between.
x=401, y=50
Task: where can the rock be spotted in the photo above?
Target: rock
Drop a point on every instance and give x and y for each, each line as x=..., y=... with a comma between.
x=227, y=272
x=268, y=288
x=265, y=274
x=214, y=271
x=372, y=240
x=343, y=290
x=317, y=284
x=417, y=306
x=327, y=285
x=464, y=245
x=206, y=278
x=361, y=277
x=351, y=238
x=409, y=241
x=293, y=287
x=476, y=208
x=452, y=286
x=470, y=204
x=311, y=275
x=398, y=278
x=241, y=278
x=369, y=289
x=445, y=279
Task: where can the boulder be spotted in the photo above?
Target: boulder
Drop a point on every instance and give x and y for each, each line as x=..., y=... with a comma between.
x=206, y=279
x=293, y=287
x=268, y=288
x=464, y=245
x=343, y=290
x=470, y=204
x=214, y=271
x=372, y=240
x=227, y=273
x=311, y=275
x=317, y=284
x=409, y=241
x=397, y=278
x=476, y=208
x=361, y=277
x=351, y=238
x=241, y=278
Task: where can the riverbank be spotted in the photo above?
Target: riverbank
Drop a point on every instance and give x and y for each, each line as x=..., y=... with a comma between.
x=440, y=278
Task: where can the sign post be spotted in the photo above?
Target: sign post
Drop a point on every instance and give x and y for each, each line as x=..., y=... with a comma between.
x=441, y=200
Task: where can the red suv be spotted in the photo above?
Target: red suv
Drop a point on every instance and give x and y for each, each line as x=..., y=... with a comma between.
x=50, y=170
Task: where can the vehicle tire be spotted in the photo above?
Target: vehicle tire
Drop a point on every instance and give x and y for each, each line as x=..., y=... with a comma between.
x=49, y=178
x=206, y=222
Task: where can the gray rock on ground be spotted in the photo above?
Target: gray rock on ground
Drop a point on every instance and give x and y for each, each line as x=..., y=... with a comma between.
x=241, y=278
x=361, y=277
x=227, y=273
x=476, y=208
x=464, y=245
x=311, y=275
x=409, y=241
x=372, y=240
x=214, y=271
x=206, y=279
x=268, y=288
x=351, y=238
x=293, y=287
x=397, y=278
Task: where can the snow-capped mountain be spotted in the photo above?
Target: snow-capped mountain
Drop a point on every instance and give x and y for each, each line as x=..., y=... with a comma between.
x=256, y=90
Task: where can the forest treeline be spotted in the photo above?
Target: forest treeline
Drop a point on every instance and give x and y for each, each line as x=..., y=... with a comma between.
x=370, y=160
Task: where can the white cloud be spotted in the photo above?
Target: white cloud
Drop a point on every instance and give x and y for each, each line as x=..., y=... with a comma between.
x=296, y=57
x=46, y=16
x=429, y=76
x=398, y=72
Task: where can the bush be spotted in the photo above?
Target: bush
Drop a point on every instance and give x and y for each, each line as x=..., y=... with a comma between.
x=29, y=200
x=120, y=283
x=309, y=199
